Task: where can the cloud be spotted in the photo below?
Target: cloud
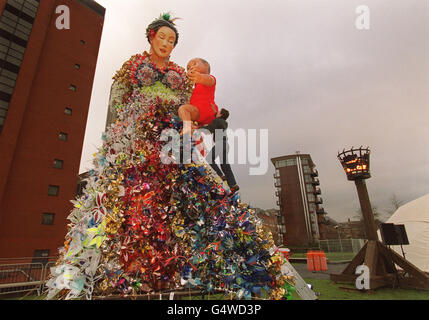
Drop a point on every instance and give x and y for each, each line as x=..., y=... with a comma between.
x=302, y=70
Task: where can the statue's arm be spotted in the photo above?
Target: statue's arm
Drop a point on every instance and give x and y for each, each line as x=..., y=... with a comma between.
x=120, y=86
x=117, y=92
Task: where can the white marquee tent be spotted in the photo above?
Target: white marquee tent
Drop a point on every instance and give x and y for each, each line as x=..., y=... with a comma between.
x=415, y=216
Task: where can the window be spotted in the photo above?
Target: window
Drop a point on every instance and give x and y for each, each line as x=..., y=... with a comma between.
x=68, y=111
x=73, y=87
x=304, y=161
x=63, y=136
x=313, y=227
x=58, y=164
x=307, y=178
x=285, y=163
x=48, y=218
x=41, y=256
x=309, y=187
x=16, y=23
x=311, y=197
x=53, y=190
x=77, y=66
x=306, y=169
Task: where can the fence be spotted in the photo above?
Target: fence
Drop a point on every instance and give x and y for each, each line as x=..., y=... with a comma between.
x=22, y=276
x=341, y=245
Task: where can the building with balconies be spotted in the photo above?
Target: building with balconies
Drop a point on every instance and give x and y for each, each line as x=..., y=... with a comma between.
x=301, y=215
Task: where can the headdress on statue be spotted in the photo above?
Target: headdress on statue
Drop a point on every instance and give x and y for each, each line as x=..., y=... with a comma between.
x=164, y=20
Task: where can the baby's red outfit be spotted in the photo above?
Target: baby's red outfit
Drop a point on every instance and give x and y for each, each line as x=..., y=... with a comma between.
x=203, y=98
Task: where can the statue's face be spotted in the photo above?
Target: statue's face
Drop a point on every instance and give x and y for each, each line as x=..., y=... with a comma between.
x=163, y=42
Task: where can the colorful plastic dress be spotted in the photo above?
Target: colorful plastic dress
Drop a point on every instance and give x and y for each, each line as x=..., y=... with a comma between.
x=145, y=226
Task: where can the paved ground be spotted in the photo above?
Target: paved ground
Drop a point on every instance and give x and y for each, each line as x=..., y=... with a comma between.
x=332, y=268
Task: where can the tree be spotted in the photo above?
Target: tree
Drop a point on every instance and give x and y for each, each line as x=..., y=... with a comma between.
x=395, y=203
x=377, y=215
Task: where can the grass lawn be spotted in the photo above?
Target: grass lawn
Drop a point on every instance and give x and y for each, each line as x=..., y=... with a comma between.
x=331, y=291
x=30, y=297
x=331, y=256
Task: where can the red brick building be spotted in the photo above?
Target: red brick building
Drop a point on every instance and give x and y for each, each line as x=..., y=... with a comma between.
x=269, y=220
x=46, y=78
x=352, y=230
x=301, y=218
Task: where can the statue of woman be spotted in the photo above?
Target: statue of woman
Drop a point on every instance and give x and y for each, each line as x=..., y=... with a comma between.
x=142, y=225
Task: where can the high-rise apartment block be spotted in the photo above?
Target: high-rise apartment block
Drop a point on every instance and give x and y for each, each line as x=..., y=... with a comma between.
x=301, y=216
x=46, y=78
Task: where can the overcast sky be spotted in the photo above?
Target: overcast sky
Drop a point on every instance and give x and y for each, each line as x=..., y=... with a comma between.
x=303, y=70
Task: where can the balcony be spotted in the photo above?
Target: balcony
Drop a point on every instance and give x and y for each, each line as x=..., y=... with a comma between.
x=314, y=173
x=277, y=184
x=315, y=182
x=276, y=176
x=320, y=211
x=317, y=191
x=319, y=200
x=277, y=194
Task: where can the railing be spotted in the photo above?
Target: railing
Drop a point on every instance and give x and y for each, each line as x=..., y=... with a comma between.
x=320, y=211
x=341, y=245
x=22, y=276
x=16, y=278
x=27, y=277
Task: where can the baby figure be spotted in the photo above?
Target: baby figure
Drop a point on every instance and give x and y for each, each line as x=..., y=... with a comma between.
x=202, y=107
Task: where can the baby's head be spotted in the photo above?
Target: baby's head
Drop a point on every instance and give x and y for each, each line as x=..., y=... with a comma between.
x=200, y=65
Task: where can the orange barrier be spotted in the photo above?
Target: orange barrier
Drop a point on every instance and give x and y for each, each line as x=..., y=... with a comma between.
x=310, y=260
x=323, y=261
x=316, y=259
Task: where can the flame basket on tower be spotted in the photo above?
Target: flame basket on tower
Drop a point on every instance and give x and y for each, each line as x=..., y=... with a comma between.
x=355, y=163
x=380, y=259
